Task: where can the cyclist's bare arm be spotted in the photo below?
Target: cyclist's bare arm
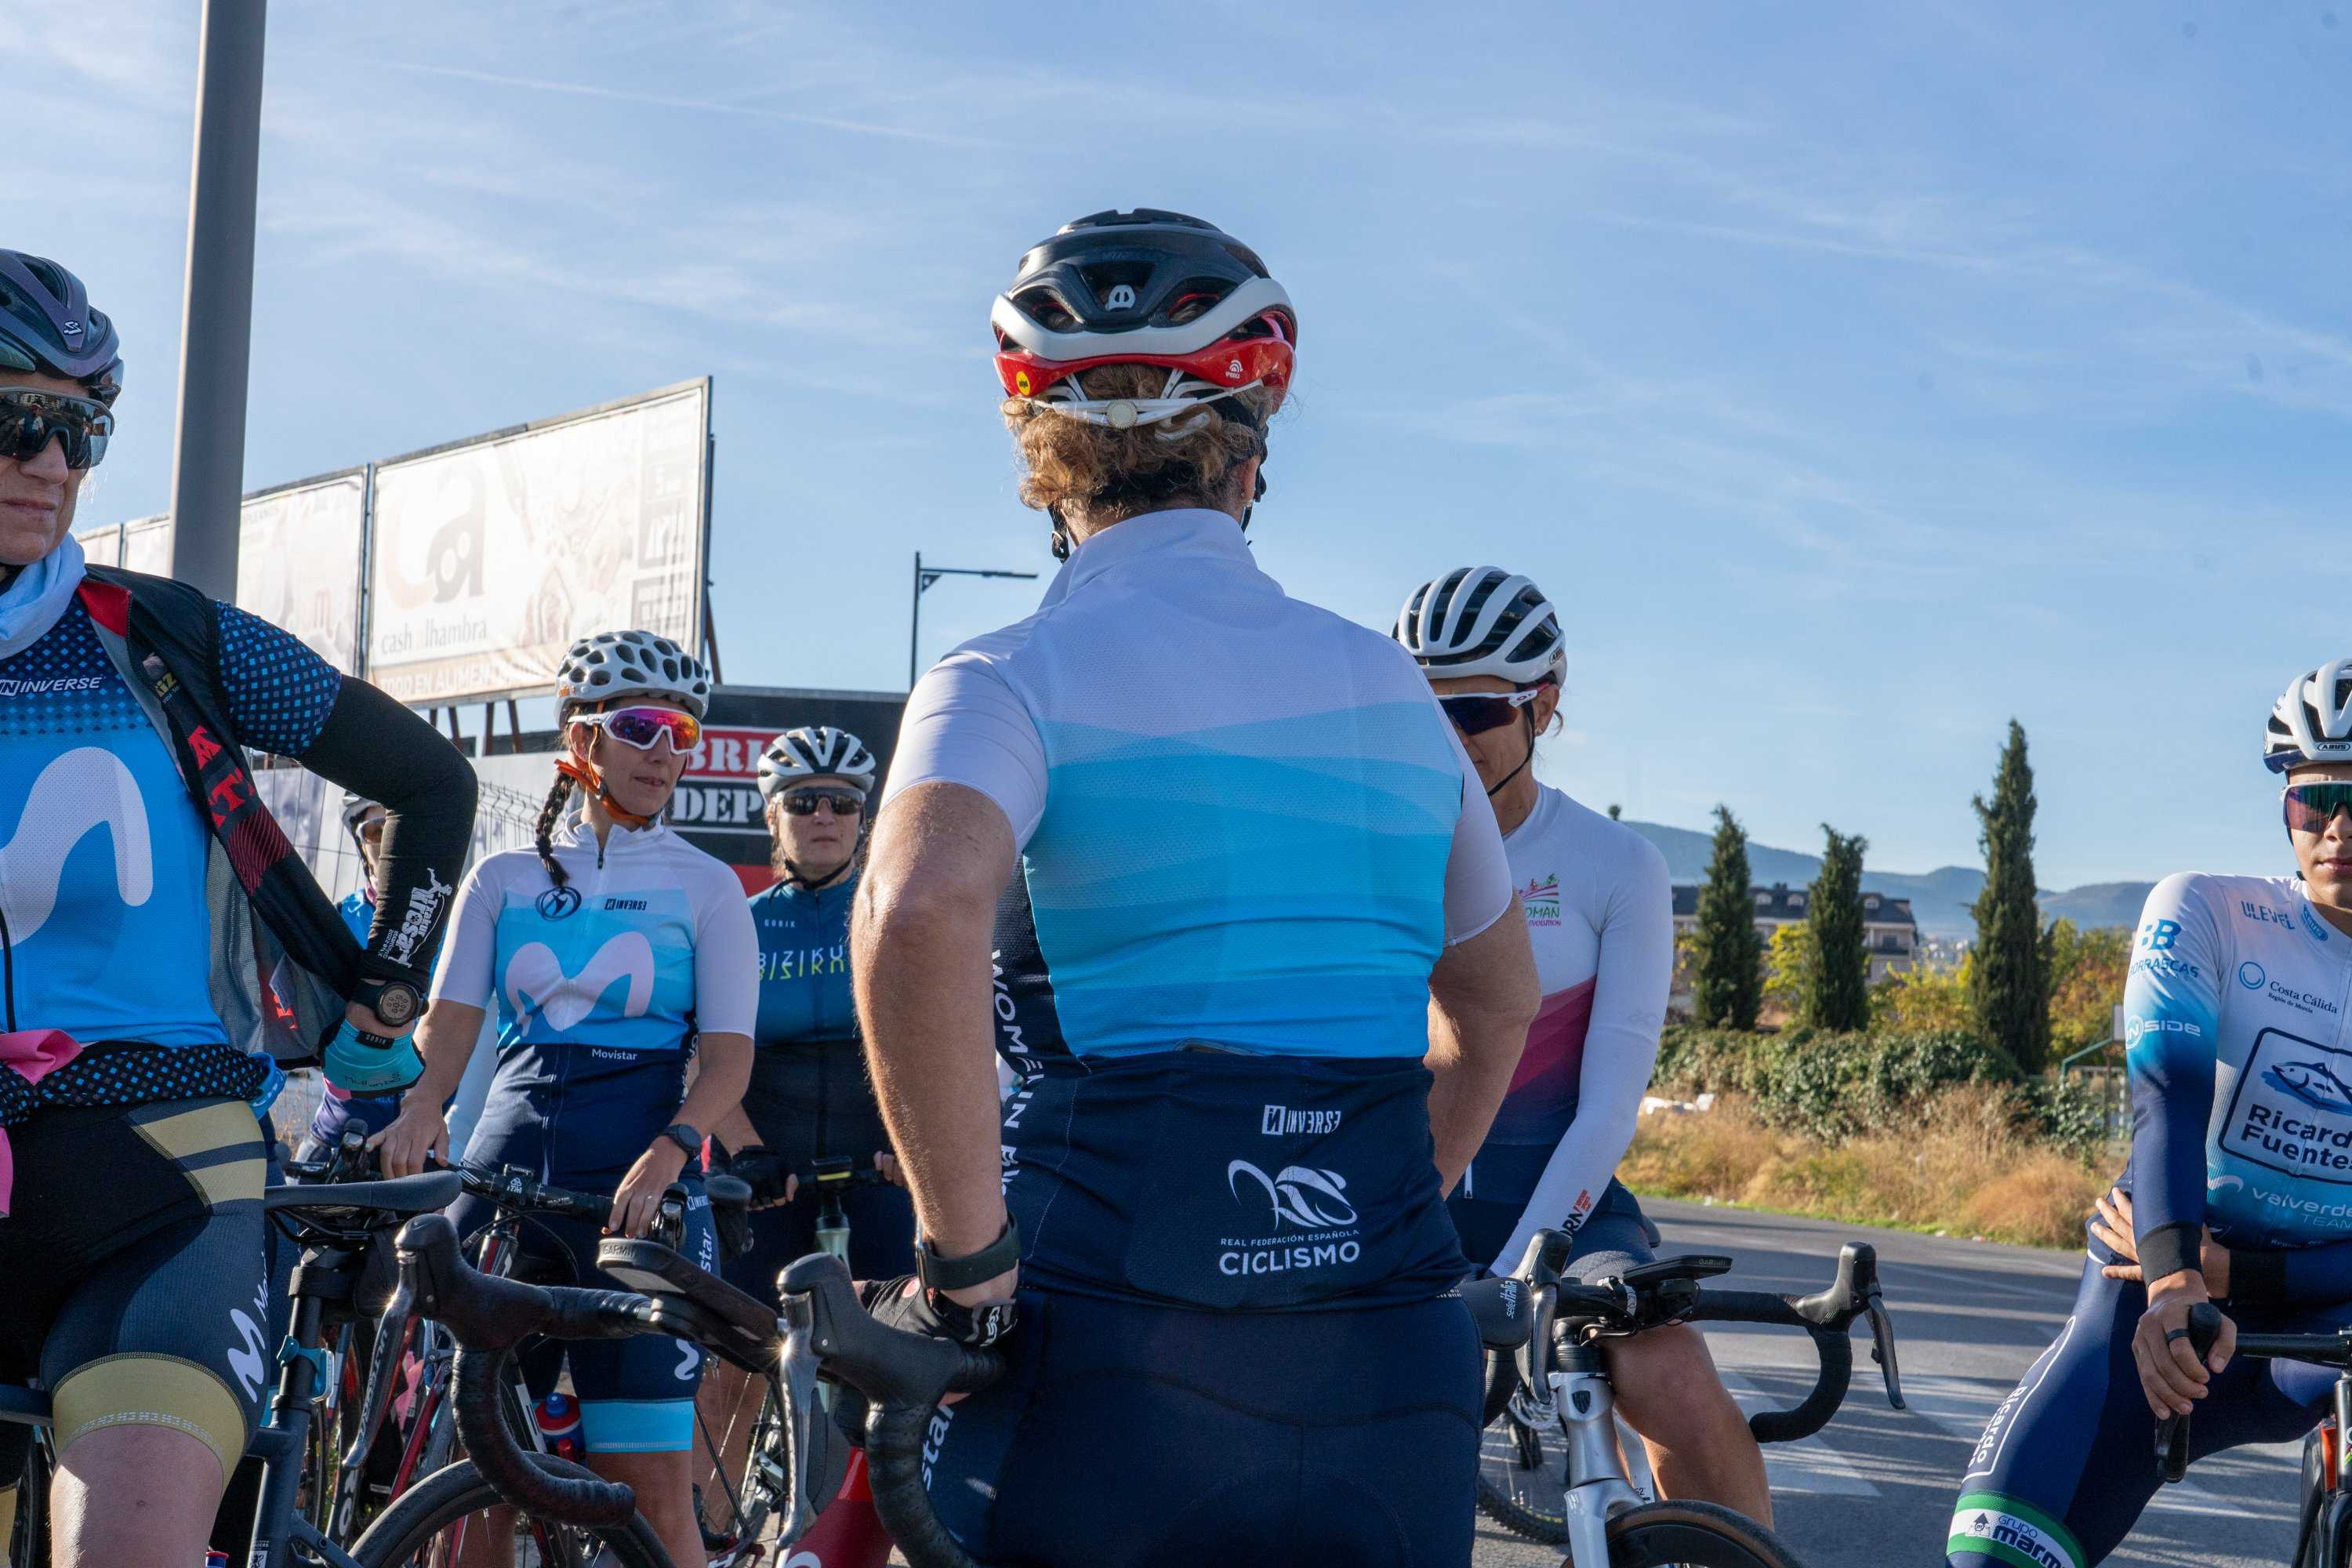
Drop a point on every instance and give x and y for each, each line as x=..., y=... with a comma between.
x=918, y=947
x=1483, y=995
x=445, y=1039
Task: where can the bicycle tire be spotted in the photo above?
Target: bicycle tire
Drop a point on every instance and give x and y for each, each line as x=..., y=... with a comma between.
x=1696, y=1534
x=1522, y=1481
x=408, y=1529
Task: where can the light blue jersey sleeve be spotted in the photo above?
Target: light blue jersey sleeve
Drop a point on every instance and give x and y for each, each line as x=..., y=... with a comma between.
x=2172, y=1006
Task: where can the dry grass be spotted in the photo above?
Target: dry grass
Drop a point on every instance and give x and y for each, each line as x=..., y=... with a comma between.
x=1960, y=1166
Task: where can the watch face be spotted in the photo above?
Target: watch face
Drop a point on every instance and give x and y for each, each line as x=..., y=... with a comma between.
x=396, y=1003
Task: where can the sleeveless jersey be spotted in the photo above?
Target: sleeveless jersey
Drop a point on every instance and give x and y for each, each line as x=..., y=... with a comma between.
x=1247, y=832
x=2240, y=1063
x=102, y=856
x=1599, y=916
x=600, y=987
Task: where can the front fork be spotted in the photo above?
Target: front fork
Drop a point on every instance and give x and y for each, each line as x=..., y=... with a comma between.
x=1598, y=1491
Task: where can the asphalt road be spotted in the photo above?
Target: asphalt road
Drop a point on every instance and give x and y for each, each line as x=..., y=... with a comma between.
x=1876, y=1488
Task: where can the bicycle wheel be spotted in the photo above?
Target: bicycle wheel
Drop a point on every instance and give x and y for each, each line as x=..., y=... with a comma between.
x=421, y=1530
x=1695, y=1535
x=1523, y=1480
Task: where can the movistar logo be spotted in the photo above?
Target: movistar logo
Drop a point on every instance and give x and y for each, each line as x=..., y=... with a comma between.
x=565, y=999
x=83, y=791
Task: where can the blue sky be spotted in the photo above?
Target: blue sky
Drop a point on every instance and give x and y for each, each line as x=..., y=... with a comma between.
x=1855, y=377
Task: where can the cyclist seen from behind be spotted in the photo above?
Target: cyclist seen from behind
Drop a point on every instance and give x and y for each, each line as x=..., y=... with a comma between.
x=2235, y=1024
x=1599, y=915
x=616, y=954
x=137, y=1044
x=1208, y=866
x=809, y=1098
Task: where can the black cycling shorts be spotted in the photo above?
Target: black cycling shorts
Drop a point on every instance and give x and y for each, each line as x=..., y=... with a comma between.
x=136, y=1269
x=1129, y=1435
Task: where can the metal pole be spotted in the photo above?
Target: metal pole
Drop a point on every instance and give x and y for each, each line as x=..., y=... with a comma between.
x=915, y=622
x=217, y=318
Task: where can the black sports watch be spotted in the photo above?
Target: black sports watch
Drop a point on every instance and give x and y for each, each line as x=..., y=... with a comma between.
x=684, y=1137
x=973, y=1268
x=395, y=1001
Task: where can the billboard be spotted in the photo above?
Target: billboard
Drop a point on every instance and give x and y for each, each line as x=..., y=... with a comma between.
x=298, y=562
x=490, y=557
x=147, y=546
x=102, y=546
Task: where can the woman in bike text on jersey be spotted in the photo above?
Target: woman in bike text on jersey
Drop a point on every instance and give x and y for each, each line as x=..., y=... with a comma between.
x=2238, y=1029
x=616, y=952
x=1599, y=916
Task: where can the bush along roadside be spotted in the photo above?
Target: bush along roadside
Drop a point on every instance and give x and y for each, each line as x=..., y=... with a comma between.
x=1934, y=1129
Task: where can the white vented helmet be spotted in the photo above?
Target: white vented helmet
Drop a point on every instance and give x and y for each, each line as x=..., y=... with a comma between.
x=2311, y=721
x=630, y=664
x=1483, y=620
x=814, y=752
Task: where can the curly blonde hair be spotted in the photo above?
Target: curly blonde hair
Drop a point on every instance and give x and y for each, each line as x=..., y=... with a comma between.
x=1106, y=475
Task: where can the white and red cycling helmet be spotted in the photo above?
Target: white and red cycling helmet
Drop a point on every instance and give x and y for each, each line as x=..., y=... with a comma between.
x=1147, y=288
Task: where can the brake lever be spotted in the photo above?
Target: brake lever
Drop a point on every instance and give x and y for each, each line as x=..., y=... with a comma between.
x=796, y=1379
x=1881, y=1348
x=669, y=1222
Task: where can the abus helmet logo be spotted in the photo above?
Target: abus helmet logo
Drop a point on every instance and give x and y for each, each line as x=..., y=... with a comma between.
x=1122, y=298
x=565, y=999
x=84, y=790
x=1307, y=1198
x=70, y=329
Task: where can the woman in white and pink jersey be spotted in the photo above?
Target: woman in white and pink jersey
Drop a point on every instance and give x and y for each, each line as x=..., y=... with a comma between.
x=1599, y=916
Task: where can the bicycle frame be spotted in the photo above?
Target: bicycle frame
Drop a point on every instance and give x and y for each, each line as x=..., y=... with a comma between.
x=1584, y=1405
x=2325, y=1535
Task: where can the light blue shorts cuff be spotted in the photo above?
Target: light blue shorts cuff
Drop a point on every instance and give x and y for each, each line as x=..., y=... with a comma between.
x=636, y=1426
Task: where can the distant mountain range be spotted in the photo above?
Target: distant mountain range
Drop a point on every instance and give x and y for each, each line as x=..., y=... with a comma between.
x=1940, y=900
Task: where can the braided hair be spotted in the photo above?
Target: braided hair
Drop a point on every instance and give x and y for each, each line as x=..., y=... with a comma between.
x=549, y=816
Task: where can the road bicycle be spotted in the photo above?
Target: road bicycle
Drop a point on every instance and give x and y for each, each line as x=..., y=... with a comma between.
x=2324, y=1519
x=336, y=1226
x=1558, y=1472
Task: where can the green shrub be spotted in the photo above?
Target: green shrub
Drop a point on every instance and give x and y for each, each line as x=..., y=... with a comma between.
x=1829, y=1087
x=2070, y=1113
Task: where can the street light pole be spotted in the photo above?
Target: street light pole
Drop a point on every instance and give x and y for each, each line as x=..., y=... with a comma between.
x=216, y=318
x=924, y=577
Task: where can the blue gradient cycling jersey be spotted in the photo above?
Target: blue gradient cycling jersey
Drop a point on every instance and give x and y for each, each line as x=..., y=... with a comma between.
x=1246, y=834
x=2235, y=1019
x=102, y=855
x=601, y=986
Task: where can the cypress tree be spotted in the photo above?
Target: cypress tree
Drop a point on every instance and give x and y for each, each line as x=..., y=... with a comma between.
x=2009, y=977
x=1840, y=992
x=1729, y=988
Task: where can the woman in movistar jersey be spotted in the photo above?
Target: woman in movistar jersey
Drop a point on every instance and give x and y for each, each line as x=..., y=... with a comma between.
x=618, y=955
x=135, y=1034
x=1599, y=915
x=2237, y=1030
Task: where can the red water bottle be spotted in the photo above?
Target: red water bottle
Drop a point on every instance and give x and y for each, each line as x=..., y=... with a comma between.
x=559, y=1426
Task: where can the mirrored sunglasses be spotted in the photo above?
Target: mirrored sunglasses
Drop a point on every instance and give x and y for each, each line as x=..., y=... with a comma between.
x=641, y=727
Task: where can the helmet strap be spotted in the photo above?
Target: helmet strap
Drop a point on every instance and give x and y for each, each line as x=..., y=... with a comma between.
x=588, y=778
x=1523, y=761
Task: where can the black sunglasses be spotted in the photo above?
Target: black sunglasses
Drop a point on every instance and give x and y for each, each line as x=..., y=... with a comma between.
x=30, y=420
x=804, y=802
x=1475, y=712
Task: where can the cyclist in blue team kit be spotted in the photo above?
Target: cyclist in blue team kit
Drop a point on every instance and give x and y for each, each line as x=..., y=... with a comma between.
x=338, y=1109
x=617, y=953
x=1259, y=969
x=809, y=1098
x=2235, y=1021
x=136, y=1038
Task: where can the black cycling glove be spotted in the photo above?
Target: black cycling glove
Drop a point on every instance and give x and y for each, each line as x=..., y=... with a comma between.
x=764, y=1168
x=905, y=1303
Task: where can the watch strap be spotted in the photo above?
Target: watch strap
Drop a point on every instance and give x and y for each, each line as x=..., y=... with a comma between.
x=684, y=1137
x=974, y=1267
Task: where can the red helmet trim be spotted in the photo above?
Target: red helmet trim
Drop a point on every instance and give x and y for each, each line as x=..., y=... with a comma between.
x=1236, y=362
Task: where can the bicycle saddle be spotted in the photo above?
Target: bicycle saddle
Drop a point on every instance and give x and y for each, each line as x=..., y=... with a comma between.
x=402, y=1196
x=1500, y=1309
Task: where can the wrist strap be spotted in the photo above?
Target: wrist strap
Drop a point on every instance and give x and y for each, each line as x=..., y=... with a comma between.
x=974, y=1267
